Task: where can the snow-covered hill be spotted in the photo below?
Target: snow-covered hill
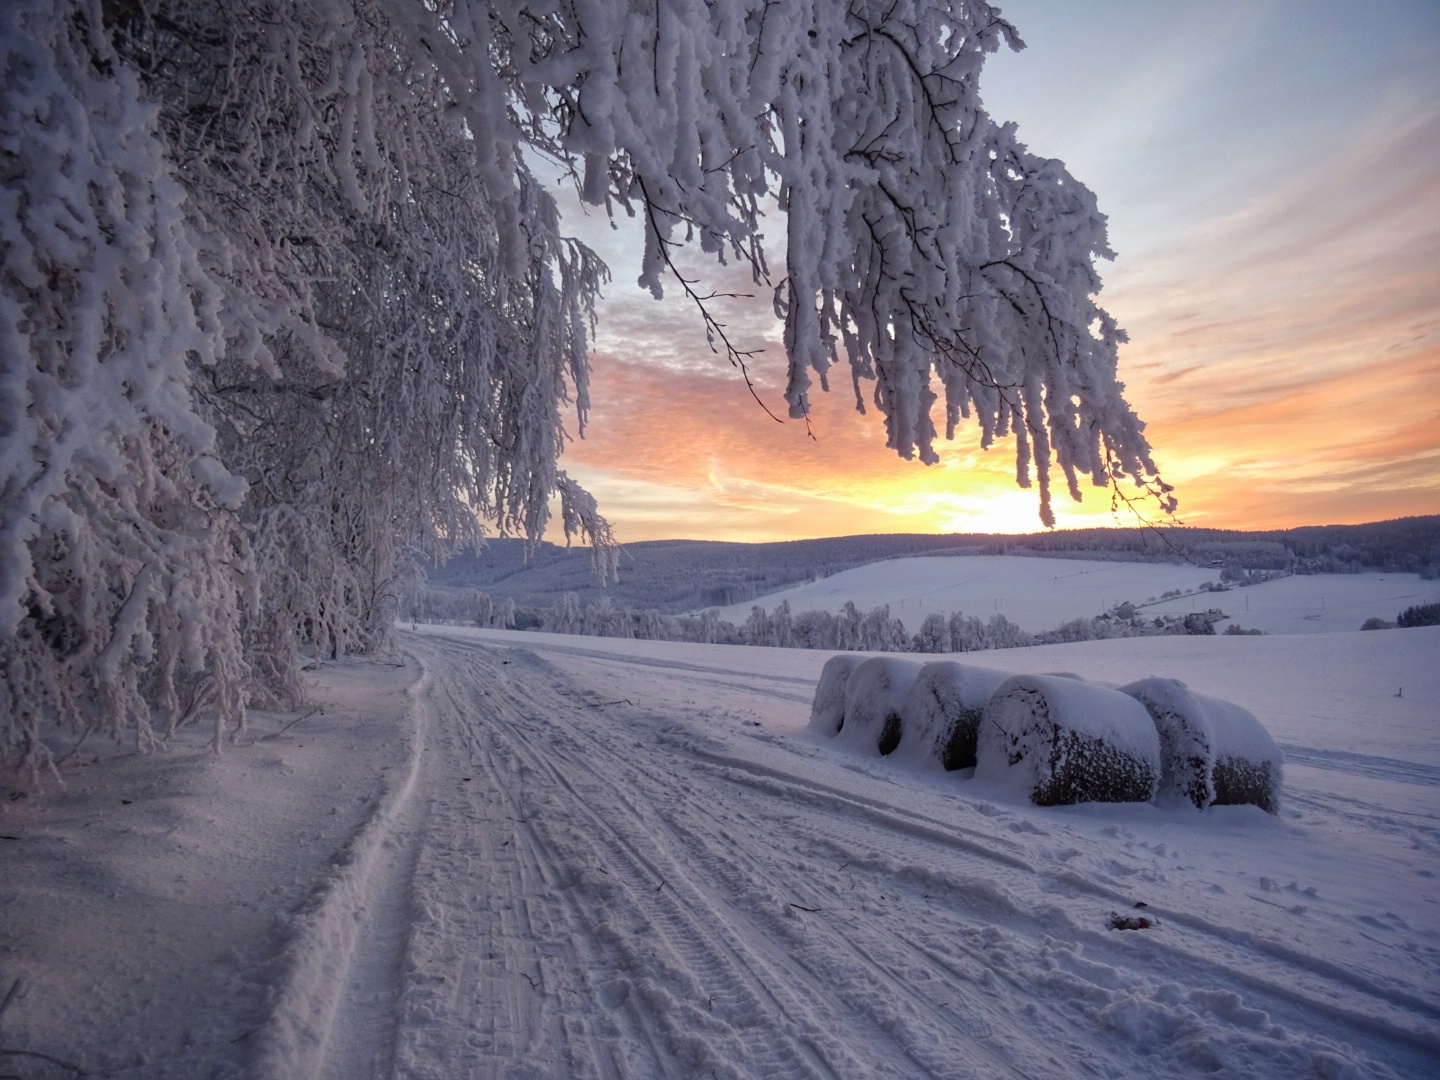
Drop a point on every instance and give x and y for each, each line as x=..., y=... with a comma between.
x=1040, y=594
x=1311, y=603
x=524, y=855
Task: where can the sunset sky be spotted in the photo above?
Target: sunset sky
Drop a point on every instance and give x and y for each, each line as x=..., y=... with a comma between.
x=1271, y=173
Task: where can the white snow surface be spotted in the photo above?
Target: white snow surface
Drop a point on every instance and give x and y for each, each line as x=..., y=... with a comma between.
x=1040, y=594
x=524, y=855
x=1310, y=603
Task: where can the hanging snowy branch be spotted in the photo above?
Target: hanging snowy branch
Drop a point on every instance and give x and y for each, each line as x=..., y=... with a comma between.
x=123, y=570
x=282, y=302
x=923, y=243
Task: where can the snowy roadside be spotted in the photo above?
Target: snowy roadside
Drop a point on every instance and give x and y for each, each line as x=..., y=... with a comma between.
x=154, y=908
x=527, y=855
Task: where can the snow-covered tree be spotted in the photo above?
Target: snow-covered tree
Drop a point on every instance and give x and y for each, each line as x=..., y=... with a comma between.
x=757, y=629
x=283, y=301
x=926, y=248
x=847, y=627
x=483, y=609
x=566, y=615
x=600, y=618
x=653, y=626
x=124, y=574
x=504, y=615
x=933, y=635
x=814, y=630
x=782, y=626
x=967, y=633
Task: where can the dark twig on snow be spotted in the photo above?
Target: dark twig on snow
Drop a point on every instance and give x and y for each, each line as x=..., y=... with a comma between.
x=292, y=723
x=75, y=1070
x=17, y=988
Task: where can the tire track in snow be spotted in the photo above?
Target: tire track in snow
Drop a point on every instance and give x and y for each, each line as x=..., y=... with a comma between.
x=781, y=986
x=1382, y=768
x=496, y=970
x=665, y=896
x=674, y=910
x=898, y=842
x=1221, y=953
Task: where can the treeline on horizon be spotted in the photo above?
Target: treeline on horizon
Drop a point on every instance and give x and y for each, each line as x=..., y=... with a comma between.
x=678, y=576
x=850, y=629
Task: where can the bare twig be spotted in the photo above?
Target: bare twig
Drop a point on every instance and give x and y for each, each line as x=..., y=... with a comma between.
x=73, y=1069
x=713, y=328
x=17, y=988
x=292, y=723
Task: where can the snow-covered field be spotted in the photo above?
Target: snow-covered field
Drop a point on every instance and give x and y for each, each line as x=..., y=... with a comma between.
x=523, y=855
x=1040, y=594
x=1311, y=604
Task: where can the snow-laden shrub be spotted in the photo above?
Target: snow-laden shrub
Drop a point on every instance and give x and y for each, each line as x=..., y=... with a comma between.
x=874, y=695
x=1062, y=741
x=1212, y=752
x=941, y=714
x=827, y=712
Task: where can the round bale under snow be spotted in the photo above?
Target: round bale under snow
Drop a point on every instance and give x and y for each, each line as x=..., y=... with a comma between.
x=1212, y=752
x=941, y=714
x=874, y=694
x=1064, y=741
x=827, y=712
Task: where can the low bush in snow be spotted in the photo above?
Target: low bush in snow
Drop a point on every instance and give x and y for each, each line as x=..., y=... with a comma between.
x=1064, y=741
x=941, y=713
x=1212, y=752
x=874, y=695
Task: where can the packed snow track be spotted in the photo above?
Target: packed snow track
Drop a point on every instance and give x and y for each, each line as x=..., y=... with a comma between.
x=594, y=884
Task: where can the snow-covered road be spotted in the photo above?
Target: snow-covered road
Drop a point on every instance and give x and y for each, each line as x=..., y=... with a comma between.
x=613, y=886
x=564, y=857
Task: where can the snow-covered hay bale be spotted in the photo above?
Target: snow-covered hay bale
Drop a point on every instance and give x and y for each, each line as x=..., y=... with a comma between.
x=1064, y=741
x=1212, y=752
x=827, y=712
x=941, y=714
x=874, y=694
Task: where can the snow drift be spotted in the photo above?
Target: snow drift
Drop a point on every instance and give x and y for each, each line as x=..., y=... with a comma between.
x=1065, y=741
x=1211, y=751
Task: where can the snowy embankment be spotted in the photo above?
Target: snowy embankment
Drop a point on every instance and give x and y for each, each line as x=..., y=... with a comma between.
x=1041, y=594
x=552, y=856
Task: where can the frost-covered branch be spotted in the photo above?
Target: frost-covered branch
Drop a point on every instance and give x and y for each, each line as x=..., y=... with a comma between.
x=282, y=301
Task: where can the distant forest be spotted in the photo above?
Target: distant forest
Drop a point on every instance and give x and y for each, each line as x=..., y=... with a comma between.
x=675, y=576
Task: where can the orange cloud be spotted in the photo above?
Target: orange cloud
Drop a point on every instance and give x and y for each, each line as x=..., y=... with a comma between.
x=673, y=452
